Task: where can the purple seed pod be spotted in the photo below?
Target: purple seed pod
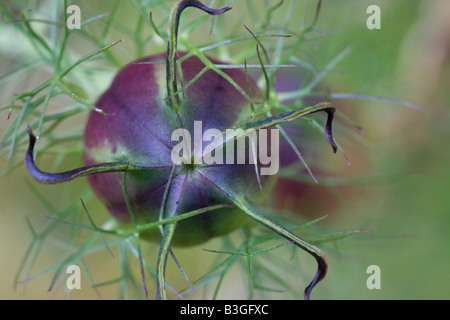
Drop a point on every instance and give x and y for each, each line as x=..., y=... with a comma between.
x=129, y=150
x=138, y=126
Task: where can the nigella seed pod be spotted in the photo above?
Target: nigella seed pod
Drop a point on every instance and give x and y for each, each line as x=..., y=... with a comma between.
x=129, y=150
x=138, y=126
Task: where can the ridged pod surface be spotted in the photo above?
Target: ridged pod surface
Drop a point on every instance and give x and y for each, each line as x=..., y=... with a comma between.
x=137, y=127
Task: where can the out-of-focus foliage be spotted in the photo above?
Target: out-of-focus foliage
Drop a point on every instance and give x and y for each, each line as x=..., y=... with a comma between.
x=397, y=184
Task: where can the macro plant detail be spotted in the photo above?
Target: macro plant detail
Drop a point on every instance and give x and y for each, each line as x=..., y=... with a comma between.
x=127, y=144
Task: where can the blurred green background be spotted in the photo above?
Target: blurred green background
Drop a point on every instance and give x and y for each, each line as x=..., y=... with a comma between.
x=407, y=205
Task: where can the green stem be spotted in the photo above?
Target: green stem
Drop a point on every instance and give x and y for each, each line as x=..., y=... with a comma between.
x=248, y=127
x=282, y=231
x=52, y=178
x=172, y=44
x=312, y=250
x=164, y=250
